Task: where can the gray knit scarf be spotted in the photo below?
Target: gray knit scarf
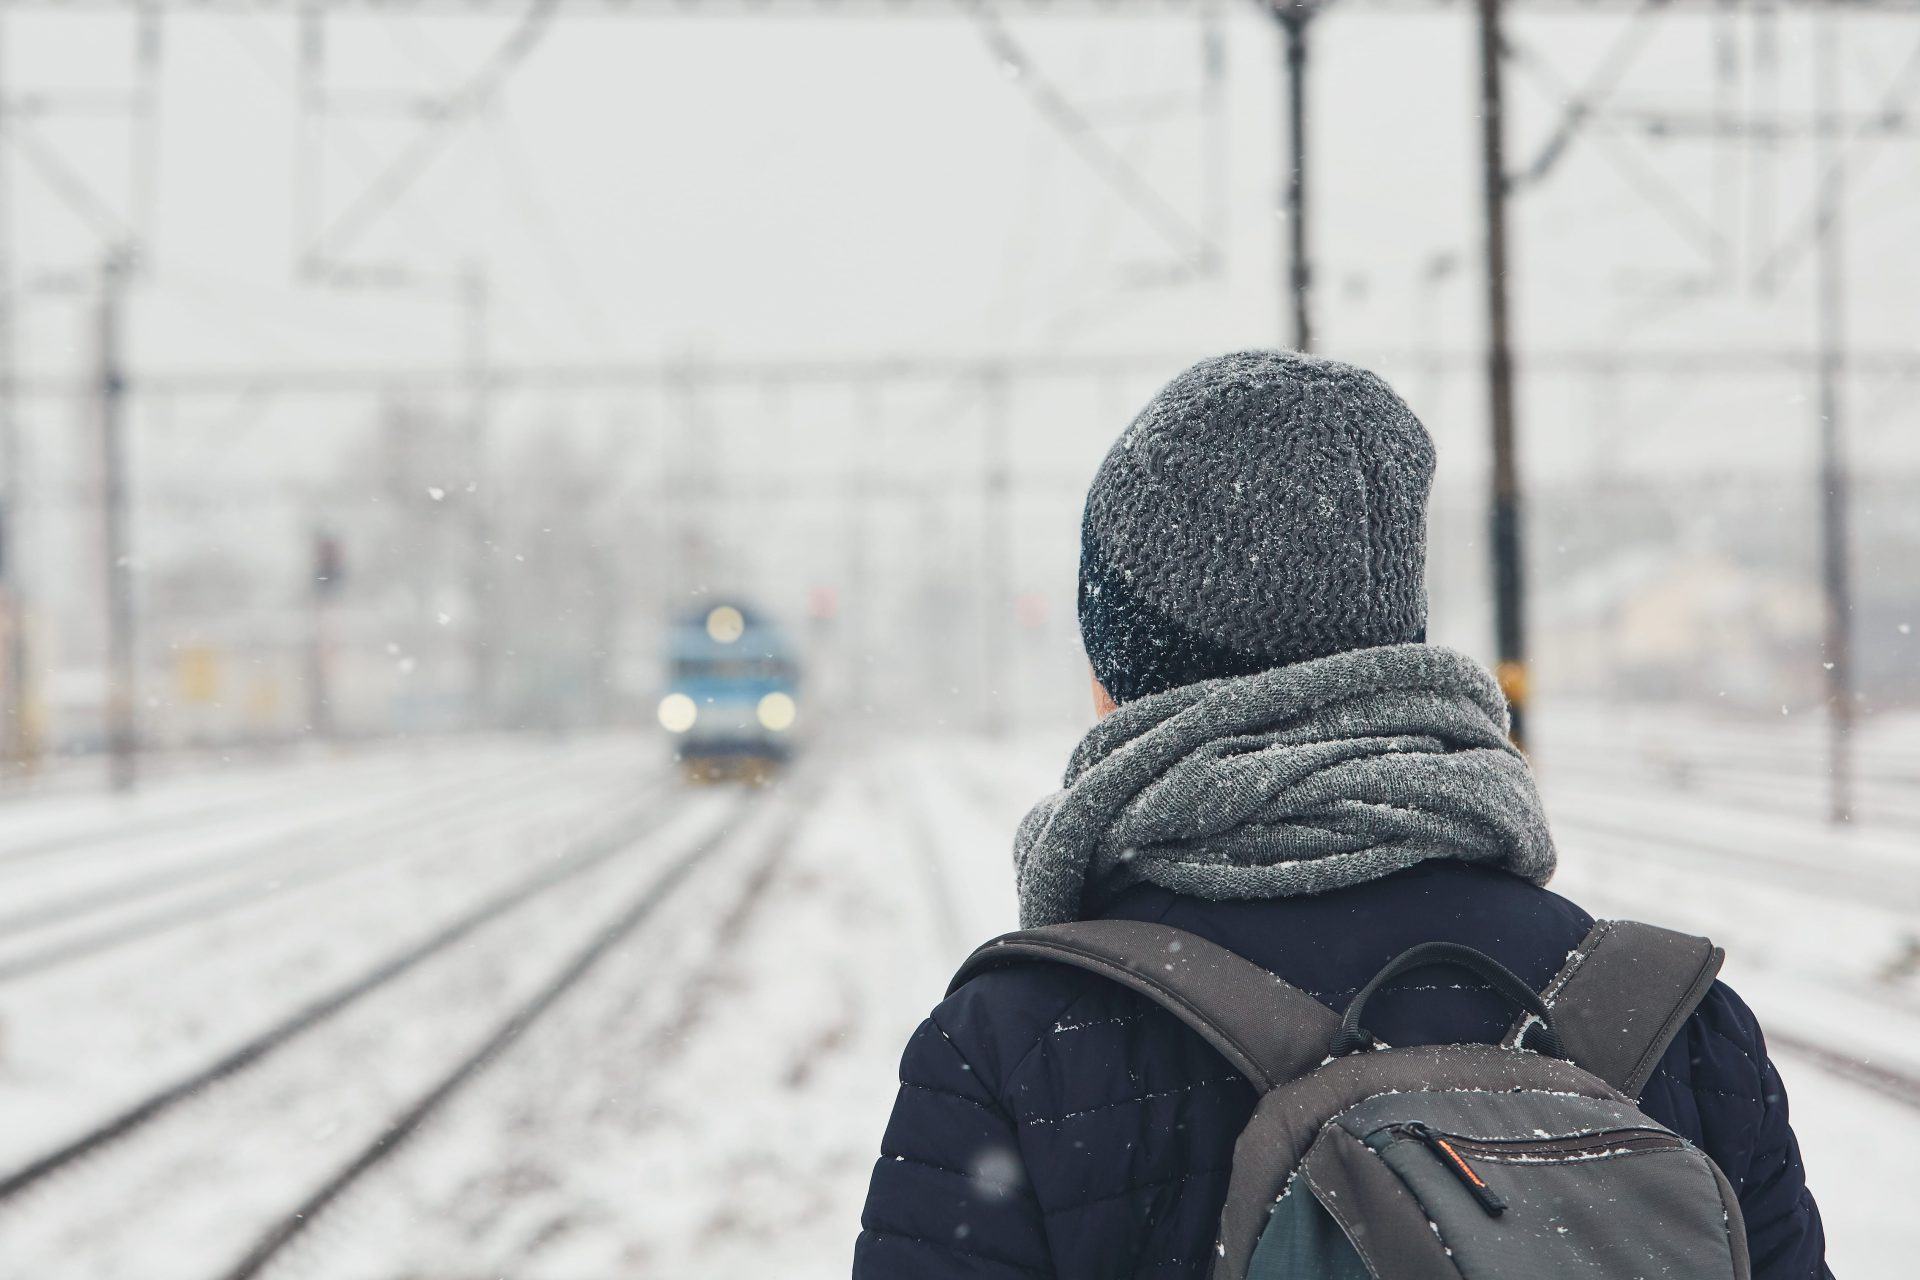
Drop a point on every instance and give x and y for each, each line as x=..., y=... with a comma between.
x=1293, y=781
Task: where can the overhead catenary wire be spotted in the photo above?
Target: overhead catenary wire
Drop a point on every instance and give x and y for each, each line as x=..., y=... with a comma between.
x=1197, y=253
x=1844, y=166
x=1646, y=182
x=106, y=224
x=1579, y=109
x=461, y=106
x=588, y=311
x=1887, y=361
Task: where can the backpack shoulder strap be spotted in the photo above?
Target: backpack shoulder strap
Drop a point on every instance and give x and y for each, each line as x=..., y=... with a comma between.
x=1271, y=1031
x=1623, y=995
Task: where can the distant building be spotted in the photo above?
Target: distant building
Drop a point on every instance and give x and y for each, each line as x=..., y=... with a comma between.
x=1694, y=624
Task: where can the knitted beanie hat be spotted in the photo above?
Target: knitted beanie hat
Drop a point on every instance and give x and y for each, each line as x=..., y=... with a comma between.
x=1265, y=508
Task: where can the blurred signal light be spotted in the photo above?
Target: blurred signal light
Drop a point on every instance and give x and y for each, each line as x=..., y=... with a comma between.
x=725, y=624
x=677, y=713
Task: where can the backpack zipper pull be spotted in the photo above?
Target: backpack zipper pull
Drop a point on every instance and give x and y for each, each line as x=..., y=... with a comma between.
x=1492, y=1201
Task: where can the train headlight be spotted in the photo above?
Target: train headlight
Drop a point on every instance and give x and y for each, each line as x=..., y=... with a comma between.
x=776, y=712
x=726, y=624
x=677, y=713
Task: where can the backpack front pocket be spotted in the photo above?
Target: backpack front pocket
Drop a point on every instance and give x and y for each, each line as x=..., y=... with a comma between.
x=1598, y=1202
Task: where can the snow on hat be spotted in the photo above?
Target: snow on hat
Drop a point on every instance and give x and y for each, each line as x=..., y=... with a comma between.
x=1265, y=508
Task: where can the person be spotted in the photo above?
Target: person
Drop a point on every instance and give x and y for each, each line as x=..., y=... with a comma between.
x=1283, y=766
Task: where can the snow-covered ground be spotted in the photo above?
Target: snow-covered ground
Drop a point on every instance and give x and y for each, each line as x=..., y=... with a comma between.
x=701, y=1084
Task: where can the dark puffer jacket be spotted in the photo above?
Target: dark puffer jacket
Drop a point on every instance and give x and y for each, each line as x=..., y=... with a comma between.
x=1050, y=1124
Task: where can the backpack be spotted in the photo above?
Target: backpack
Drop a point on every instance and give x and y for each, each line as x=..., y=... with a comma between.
x=1515, y=1161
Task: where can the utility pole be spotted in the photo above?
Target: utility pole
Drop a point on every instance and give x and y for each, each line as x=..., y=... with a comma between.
x=327, y=568
x=111, y=390
x=1509, y=598
x=1215, y=147
x=16, y=733
x=856, y=609
x=1832, y=272
x=481, y=635
x=1293, y=16
x=996, y=550
x=144, y=127
x=310, y=154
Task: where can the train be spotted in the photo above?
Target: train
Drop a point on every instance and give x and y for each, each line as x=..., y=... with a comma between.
x=731, y=704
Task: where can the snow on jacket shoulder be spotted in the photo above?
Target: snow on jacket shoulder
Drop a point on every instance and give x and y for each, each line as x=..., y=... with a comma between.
x=1051, y=1124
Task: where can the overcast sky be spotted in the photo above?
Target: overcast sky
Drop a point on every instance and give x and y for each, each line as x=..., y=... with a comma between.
x=809, y=188
x=641, y=187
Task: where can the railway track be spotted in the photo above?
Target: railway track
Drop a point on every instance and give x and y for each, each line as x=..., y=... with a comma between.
x=928, y=869
x=1890, y=746
x=582, y=857
x=1753, y=753
x=1892, y=1083
x=42, y=1186
x=246, y=892
x=1858, y=884
x=1887, y=803
x=293, y=1224
x=372, y=779
x=437, y=804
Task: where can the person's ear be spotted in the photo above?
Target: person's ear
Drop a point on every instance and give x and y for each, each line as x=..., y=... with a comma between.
x=1103, y=703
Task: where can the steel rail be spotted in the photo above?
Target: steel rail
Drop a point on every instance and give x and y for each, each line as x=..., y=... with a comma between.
x=170, y=917
x=92, y=839
x=1892, y=1083
x=409, y=1120
x=301, y=775
x=587, y=854
x=1889, y=891
x=1884, y=804
x=397, y=813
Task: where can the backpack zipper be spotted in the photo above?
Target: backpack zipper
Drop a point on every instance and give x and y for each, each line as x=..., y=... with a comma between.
x=1492, y=1201
x=1453, y=1152
x=1519, y=1149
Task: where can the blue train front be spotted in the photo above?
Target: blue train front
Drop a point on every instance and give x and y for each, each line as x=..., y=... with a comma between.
x=731, y=701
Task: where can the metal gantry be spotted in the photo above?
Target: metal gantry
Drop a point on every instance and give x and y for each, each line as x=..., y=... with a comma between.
x=322, y=252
